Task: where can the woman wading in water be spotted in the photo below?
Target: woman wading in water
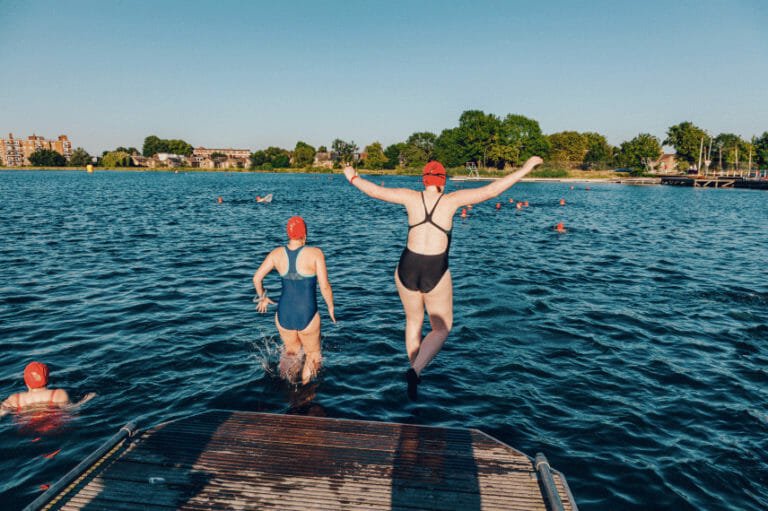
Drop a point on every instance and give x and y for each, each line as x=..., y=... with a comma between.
x=422, y=276
x=301, y=269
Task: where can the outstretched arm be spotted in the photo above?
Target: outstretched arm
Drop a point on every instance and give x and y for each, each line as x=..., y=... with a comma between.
x=325, y=285
x=496, y=188
x=267, y=266
x=394, y=195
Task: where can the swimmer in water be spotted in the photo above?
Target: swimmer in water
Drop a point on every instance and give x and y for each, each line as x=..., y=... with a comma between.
x=422, y=276
x=38, y=394
x=301, y=268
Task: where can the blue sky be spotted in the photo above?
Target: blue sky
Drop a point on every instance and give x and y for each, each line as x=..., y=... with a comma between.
x=254, y=74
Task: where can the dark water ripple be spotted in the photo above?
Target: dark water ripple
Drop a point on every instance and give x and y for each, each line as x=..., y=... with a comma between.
x=631, y=350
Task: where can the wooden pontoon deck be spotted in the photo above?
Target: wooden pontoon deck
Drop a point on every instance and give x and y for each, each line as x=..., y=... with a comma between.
x=247, y=460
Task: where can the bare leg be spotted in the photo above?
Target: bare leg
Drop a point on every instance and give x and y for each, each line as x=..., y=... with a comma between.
x=310, y=341
x=439, y=303
x=413, y=305
x=290, y=361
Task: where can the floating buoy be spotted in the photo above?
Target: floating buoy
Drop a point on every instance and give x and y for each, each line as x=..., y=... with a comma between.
x=511, y=201
x=571, y=187
x=587, y=188
x=89, y=168
x=519, y=205
x=560, y=227
x=498, y=205
x=562, y=202
x=221, y=200
x=44, y=487
x=463, y=212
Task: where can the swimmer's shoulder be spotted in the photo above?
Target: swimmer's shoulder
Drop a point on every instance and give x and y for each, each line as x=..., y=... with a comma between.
x=12, y=402
x=59, y=396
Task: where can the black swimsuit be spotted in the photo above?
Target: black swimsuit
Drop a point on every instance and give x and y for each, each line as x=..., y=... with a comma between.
x=420, y=272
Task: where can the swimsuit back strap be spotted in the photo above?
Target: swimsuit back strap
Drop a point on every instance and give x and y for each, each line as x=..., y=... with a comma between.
x=293, y=257
x=429, y=215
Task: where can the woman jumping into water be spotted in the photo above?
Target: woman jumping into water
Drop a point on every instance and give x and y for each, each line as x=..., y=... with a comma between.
x=422, y=276
x=298, y=321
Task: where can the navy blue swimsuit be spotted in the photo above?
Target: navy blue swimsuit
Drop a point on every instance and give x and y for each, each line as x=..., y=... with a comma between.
x=298, y=302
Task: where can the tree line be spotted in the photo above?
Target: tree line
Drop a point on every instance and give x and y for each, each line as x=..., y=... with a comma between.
x=487, y=140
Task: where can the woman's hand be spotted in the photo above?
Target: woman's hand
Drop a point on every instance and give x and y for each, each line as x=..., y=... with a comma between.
x=332, y=316
x=263, y=304
x=533, y=161
x=349, y=172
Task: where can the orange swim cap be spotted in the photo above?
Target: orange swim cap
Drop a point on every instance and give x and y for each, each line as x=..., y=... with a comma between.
x=36, y=375
x=434, y=174
x=296, y=228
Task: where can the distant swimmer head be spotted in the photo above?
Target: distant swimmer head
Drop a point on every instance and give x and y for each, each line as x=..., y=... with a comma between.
x=434, y=174
x=296, y=228
x=36, y=375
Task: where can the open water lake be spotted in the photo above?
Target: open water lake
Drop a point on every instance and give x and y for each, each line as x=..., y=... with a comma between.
x=632, y=350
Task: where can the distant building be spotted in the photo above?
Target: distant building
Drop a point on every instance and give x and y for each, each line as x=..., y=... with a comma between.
x=203, y=158
x=167, y=160
x=666, y=164
x=15, y=152
x=323, y=160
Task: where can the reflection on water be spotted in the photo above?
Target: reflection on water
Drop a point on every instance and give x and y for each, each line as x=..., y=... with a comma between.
x=629, y=349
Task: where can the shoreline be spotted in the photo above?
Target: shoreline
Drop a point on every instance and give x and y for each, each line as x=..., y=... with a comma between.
x=619, y=179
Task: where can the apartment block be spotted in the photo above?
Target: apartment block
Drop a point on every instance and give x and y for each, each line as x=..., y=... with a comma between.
x=15, y=152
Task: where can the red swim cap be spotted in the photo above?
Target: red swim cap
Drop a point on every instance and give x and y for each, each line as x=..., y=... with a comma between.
x=36, y=375
x=296, y=228
x=434, y=174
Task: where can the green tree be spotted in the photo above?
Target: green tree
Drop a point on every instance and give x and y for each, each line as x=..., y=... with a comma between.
x=686, y=139
x=258, y=159
x=303, y=155
x=115, y=159
x=524, y=138
x=761, y=149
x=568, y=147
x=153, y=145
x=599, y=151
x=392, y=153
x=479, y=132
x=179, y=147
x=732, y=147
x=420, y=147
x=79, y=158
x=322, y=149
x=374, y=156
x=634, y=153
x=450, y=148
x=278, y=157
x=47, y=158
x=344, y=152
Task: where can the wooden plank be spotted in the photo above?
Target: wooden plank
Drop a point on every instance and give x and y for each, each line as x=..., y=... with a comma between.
x=242, y=460
x=135, y=472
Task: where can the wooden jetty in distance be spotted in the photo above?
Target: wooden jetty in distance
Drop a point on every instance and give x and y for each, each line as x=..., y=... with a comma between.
x=715, y=182
x=249, y=460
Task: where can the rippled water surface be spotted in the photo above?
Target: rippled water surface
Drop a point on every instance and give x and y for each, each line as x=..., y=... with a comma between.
x=631, y=350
